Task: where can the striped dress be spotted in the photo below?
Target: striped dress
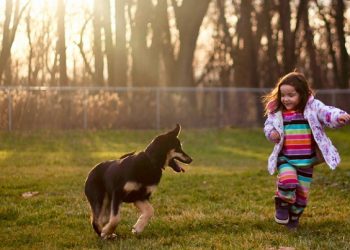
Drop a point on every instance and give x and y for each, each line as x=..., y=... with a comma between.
x=299, y=145
x=295, y=162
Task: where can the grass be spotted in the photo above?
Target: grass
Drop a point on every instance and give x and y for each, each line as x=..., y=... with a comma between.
x=223, y=201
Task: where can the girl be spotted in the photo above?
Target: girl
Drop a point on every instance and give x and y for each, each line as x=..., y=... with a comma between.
x=295, y=122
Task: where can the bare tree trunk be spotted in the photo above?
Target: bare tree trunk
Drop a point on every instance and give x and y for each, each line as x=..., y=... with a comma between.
x=229, y=49
x=140, y=52
x=121, y=50
x=288, y=43
x=80, y=45
x=344, y=56
x=188, y=22
x=289, y=36
x=9, y=33
x=167, y=50
x=31, y=49
x=331, y=51
x=110, y=51
x=160, y=51
x=8, y=74
x=273, y=70
x=310, y=46
x=97, y=23
x=52, y=69
x=61, y=43
x=246, y=62
x=6, y=46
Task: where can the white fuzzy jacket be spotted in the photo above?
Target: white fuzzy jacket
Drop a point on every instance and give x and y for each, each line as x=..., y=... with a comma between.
x=318, y=115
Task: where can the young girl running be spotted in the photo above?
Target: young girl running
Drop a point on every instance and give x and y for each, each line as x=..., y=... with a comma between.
x=295, y=121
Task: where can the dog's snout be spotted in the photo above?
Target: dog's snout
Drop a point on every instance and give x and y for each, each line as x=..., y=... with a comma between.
x=188, y=159
x=183, y=157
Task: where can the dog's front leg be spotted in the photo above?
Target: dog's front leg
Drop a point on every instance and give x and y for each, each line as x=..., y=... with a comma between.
x=114, y=218
x=147, y=212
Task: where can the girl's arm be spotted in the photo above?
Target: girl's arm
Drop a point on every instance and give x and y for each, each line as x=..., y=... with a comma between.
x=270, y=131
x=330, y=116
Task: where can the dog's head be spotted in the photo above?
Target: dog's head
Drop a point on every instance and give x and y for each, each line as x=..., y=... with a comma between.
x=169, y=146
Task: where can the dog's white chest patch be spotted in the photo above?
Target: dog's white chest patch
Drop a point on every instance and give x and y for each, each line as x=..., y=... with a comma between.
x=151, y=189
x=131, y=186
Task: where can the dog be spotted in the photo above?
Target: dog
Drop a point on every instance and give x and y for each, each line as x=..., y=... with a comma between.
x=131, y=179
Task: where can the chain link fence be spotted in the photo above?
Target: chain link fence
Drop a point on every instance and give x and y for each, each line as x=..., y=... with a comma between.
x=34, y=108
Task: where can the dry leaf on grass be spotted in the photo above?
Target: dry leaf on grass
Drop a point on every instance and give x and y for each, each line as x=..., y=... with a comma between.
x=29, y=194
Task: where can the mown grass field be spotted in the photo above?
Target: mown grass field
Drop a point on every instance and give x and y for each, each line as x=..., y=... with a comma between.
x=223, y=201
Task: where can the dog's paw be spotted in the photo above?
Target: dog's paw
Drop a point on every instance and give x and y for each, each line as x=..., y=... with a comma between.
x=108, y=236
x=135, y=231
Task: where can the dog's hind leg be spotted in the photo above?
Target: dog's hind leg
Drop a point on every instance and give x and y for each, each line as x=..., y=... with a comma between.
x=114, y=218
x=96, y=198
x=103, y=214
x=97, y=218
x=147, y=212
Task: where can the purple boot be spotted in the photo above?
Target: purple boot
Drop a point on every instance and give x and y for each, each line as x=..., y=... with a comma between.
x=293, y=221
x=282, y=211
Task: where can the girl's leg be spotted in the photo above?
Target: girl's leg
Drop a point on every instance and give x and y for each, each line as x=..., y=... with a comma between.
x=285, y=194
x=287, y=181
x=302, y=190
x=302, y=194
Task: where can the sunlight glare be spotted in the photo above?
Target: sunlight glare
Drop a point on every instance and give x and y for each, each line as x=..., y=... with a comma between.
x=72, y=6
x=45, y=11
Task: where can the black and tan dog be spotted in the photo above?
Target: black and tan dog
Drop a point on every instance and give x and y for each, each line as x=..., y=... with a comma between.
x=132, y=178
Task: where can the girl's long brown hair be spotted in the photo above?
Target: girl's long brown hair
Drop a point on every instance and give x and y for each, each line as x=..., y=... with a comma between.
x=272, y=101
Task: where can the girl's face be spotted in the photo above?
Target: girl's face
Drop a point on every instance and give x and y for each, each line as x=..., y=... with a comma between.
x=290, y=98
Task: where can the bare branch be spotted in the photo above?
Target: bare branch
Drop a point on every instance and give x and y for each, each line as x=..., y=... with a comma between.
x=81, y=47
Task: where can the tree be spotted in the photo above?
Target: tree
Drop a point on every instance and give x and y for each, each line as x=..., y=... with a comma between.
x=12, y=16
x=97, y=47
x=141, y=65
x=109, y=46
x=167, y=49
x=246, y=66
x=61, y=43
x=289, y=54
x=272, y=71
x=329, y=41
x=344, y=56
x=121, y=48
x=188, y=23
x=310, y=47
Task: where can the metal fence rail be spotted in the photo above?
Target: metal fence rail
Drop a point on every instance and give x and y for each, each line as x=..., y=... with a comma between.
x=38, y=107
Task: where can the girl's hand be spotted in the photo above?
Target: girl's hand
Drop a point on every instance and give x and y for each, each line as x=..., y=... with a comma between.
x=275, y=136
x=344, y=118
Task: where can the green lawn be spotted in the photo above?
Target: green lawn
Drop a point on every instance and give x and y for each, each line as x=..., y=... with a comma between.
x=223, y=201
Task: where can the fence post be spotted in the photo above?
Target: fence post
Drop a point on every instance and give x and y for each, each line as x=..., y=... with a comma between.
x=9, y=109
x=333, y=98
x=221, y=107
x=157, y=108
x=85, y=101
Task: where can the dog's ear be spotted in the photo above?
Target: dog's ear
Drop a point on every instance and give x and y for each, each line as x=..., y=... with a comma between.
x=176, y=130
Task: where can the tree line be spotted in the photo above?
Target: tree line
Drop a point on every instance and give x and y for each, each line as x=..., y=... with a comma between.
x=176, y=43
